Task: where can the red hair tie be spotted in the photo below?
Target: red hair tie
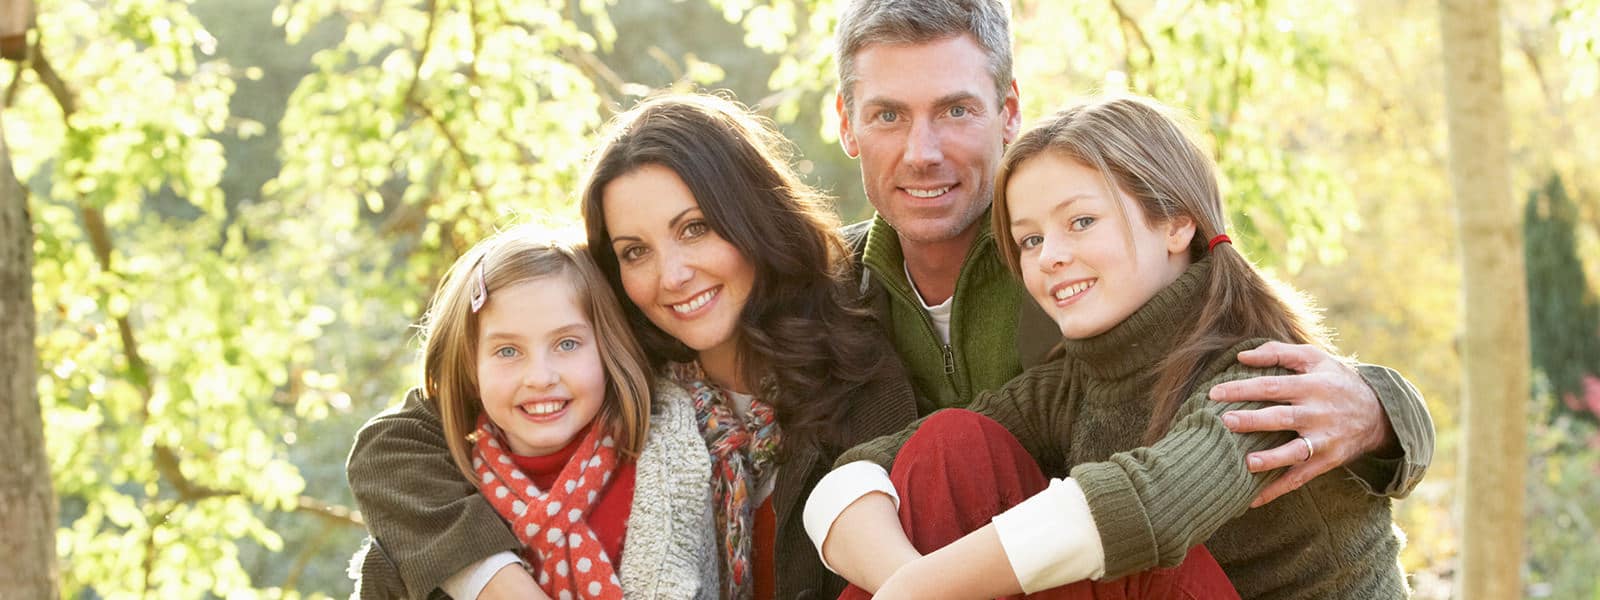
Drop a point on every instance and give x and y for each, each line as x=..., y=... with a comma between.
x=1220, y=239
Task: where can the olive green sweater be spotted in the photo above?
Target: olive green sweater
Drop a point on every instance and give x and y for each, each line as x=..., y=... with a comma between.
x=1084, y=415
x=996, y=330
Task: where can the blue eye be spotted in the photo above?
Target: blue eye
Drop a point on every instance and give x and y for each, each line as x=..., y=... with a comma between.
x=958, y=111
x=1082, y=223
x=505, y=352
x=567, y=345
x=888, y=116
x=1029, y=242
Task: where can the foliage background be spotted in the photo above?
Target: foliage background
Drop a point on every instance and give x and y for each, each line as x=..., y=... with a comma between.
x=240, y=206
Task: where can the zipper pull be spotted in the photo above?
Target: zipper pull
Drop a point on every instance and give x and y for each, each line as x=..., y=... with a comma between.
x=949, y=360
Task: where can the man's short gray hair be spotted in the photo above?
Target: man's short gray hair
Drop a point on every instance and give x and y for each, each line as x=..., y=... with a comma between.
x=866, y=22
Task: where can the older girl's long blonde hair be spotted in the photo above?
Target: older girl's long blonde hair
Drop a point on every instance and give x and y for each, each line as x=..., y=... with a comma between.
x=450, y=335
x=1142, y=150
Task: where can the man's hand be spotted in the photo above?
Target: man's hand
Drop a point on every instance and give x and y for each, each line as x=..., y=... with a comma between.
x=1336, y=414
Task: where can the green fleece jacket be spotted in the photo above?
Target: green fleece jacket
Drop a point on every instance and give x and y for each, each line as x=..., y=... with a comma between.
x=1083, y=416
x=995, y=328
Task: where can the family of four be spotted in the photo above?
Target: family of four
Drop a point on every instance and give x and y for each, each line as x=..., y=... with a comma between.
x=1041, y=368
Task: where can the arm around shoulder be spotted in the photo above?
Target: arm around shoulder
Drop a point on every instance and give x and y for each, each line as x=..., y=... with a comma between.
x=1151, y=504
x=1396, y=476
x=428, y=517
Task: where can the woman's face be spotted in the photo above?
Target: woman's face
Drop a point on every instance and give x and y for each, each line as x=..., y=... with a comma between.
x=684, y=277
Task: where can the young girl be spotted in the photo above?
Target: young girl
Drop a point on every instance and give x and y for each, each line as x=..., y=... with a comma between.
x=545, y=401
x=1112, y=218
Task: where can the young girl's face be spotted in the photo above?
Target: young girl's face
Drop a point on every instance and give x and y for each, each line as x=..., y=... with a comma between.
x=539, y=371
x=1089, y=264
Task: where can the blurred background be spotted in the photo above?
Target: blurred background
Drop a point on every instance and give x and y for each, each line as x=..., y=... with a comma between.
x=240, y=206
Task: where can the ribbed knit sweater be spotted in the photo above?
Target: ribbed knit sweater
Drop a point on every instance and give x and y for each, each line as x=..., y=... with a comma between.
x=1085, y=414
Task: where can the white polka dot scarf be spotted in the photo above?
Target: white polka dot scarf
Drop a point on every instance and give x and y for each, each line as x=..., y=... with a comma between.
x=553, y=525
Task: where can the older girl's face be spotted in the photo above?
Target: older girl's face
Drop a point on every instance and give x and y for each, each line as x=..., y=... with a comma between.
x=1088, y=255
x=684, y=277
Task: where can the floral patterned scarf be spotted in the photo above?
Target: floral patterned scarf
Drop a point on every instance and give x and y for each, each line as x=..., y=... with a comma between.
x=742, y=453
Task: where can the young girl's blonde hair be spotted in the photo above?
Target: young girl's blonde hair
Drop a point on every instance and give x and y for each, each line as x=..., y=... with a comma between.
x=1143, y=151
x=450, y=335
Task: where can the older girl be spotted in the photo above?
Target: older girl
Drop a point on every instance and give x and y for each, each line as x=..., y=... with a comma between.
x=1113, y=219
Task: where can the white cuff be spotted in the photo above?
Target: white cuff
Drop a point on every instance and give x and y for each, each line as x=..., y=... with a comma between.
x=1050, y=539
x=467, y=583
x=837, y=491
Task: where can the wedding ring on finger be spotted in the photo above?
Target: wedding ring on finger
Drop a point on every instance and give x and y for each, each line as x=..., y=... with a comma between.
x=1310, y=449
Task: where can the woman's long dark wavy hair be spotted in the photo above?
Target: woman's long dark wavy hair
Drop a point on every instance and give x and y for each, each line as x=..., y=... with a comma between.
x=804, y=336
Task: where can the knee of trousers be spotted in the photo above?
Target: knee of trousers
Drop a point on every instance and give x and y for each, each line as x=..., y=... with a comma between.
x=953, y=432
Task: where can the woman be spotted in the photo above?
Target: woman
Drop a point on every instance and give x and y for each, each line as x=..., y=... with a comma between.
x=733, y=277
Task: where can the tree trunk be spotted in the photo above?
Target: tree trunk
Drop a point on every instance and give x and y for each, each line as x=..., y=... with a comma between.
x=1495, y=338
x=16, y=18
x=27, y=503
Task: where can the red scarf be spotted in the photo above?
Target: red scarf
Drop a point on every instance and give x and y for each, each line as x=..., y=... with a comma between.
x=553, y=524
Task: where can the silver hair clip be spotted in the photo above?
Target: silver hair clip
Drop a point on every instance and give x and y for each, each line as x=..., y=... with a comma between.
x=480, y=289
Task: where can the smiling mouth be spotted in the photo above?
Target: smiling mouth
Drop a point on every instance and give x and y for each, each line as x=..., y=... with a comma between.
x=1067, y=292
x=693, y=304
x=543, y=408
x=928, y=193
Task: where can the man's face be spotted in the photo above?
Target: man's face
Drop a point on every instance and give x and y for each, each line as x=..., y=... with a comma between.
x=929, y=132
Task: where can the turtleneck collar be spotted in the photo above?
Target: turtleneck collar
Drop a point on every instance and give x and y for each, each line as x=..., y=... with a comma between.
x=543, y=470
x=1149, y=334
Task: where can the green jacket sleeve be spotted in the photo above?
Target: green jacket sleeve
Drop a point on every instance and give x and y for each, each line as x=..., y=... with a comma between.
x=426, y=516
x=1395, y=477
x=1152, y=504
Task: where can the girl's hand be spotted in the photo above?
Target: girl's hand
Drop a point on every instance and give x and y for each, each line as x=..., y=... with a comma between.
x=1335, y=412
x=971, y=568
x=903, y=584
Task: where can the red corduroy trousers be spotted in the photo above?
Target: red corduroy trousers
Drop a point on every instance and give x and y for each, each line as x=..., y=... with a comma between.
x=961, y=469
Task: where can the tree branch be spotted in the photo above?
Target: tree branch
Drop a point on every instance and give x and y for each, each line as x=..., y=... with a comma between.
x=427, y=46
x=455, y=145
x=477, y=40
x=1238, y=77
x=16, y=83
x=166, y=460
x=1130, y=24
x=52, y=81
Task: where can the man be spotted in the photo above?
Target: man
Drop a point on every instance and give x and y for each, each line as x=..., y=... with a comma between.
x=927, y=102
